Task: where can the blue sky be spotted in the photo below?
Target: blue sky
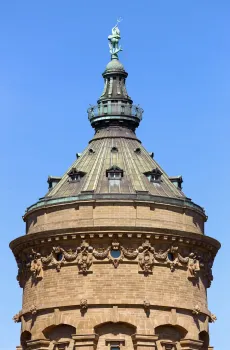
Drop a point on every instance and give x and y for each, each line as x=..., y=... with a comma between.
x=52, y=54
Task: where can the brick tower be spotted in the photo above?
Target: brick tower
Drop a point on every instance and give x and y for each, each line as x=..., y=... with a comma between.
x=114, y=256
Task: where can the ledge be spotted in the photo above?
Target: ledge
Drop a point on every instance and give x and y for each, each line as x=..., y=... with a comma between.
x=136, y=198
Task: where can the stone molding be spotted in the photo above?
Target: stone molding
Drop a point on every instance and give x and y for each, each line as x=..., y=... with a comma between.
x=38, y=344
x=47, y=237
x=188, y=344
x=146, y=341
x=88, y=341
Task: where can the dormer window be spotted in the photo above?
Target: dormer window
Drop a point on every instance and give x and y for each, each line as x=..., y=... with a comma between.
x=114, y=149
x=114, y=173
x=154, y=175
x=91, y=151
x=137, y=150
x=75, y=175
x=177, y=181
x=151, y=154
x=52, y=181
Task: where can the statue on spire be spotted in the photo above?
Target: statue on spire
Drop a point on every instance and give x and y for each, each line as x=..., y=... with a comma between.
x=114, y=41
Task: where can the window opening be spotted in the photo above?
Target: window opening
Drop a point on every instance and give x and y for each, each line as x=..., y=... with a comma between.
x=75, y=175
x=170, y=256
x=154, y=175
x=114, y=173
x=115, y=253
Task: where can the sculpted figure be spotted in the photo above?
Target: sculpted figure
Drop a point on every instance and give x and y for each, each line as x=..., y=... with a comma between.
x=146, y=257
x=36, y=266
x=85, y=257
x=193, y=266
x=114, y=40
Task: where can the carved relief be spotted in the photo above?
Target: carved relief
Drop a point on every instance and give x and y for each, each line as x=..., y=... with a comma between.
x=146, y=305
x=115, y=254
x=58, y=256
x=146, y=257
x=212, y=318
x=33, y=309
x=83, y=306
x=17, y=318
x=196, y=310
x=84, y=257
x=36, y=266
x=22, y=273
x=206, y=264
x=193, y=266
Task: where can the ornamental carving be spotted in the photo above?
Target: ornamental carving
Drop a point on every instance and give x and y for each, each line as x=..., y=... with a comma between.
x=83, y=306
x=84, y=257
x=212, y=318
x=36, y=266
x=58, y=257
x=146, y=305
x=206, y=264
x=33, y=310
x=115, y=253
x=146, y=256
x=23, y=264
x=193, y=266
x=17, y=318
x=174, y=258
x=196, y=310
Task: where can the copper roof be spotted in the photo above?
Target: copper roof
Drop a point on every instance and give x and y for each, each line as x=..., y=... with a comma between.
x=115, y=146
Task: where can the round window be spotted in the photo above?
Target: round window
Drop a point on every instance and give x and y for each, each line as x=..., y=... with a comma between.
x=115, y=253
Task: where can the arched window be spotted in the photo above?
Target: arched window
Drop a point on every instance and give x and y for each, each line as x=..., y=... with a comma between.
x=61, y=335
x=25, y=336
x=169, y=335
x=204, y=337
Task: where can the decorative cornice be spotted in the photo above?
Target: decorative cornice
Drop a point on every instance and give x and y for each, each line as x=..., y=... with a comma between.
x=187, y=238
x=147, y=255
x=137, y=198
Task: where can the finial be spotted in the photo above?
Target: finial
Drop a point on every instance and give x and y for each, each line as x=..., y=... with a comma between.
x=114, y=40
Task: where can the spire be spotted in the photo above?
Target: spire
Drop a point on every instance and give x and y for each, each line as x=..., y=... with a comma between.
x=115, y=107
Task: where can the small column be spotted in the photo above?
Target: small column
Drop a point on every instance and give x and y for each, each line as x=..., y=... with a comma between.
x=144, y=341
x=85, y=341
x=39, y=344
x=188, y=344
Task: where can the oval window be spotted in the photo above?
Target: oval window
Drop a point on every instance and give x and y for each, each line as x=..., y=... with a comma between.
x=170, y=256
x=115, y=253
x=59, y=256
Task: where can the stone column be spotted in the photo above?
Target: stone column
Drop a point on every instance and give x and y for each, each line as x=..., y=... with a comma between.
x=85, y=341
x=144, y=341
x=188, y=344
x=40, y=344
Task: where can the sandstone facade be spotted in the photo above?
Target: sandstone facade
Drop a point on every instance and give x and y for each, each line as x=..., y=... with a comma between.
x=115, y=255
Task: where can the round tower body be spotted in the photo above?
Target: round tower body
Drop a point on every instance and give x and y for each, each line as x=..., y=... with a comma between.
x=115, y=255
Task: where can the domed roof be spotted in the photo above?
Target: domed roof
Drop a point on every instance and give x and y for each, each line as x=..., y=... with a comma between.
x=115, y=65
x=115, y=146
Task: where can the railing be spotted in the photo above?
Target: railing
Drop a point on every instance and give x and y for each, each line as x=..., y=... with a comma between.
x=114, y=109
